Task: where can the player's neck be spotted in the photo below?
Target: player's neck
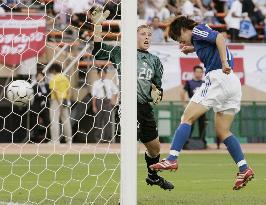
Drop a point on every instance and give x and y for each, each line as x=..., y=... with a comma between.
x=142, y=51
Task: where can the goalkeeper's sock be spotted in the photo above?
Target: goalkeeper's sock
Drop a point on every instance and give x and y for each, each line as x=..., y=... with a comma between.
x=150, y=161
x=181, y=136
x=233, y=147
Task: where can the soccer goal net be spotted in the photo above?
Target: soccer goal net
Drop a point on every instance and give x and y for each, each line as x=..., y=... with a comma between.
x=64, y=107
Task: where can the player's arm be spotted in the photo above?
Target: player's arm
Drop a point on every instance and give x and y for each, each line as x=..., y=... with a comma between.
x=100, y=50
x=156, y=89
x=94, y=107
x=220, y=43
x=98, y=17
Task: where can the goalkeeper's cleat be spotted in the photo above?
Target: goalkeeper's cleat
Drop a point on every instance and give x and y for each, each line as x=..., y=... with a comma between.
x=161, y=182
x=243, y=178
x=165, y=165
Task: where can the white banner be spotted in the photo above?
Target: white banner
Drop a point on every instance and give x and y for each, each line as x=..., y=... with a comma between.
x=250, y=64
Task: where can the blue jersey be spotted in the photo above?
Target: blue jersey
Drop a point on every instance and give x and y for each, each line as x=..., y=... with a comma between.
x=191, y=86
x=204, y=42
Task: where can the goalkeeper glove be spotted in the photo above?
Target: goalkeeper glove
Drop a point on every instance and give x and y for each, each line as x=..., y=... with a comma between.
x=156, y=94
x=97, y=17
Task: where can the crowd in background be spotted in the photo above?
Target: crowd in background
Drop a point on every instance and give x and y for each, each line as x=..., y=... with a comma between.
x=205, y=11
x=154, y=12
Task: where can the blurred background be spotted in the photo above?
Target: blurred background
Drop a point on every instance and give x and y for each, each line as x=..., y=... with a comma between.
x=61, y=32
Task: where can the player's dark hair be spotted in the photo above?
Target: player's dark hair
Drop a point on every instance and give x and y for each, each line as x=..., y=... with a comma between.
x=197, y=67
x=55, y=68
x=179, y=23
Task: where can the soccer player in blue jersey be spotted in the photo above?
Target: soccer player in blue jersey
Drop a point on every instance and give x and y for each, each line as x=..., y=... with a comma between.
x=221, y=91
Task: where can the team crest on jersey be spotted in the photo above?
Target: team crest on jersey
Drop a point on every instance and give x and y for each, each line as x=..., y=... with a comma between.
x=145, y=64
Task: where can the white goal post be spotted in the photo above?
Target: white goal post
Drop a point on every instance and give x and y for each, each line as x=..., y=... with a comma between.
x=129, y=103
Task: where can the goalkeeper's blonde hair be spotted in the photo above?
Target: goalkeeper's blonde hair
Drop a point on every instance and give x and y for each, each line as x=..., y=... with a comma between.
x=143, y=26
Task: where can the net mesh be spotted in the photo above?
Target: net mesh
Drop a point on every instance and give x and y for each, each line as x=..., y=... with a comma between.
x=81, y=164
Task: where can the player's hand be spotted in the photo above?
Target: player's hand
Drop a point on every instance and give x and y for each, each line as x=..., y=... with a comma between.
x=98, y=16
x=226, y=68
x=187, y=49
x=155, y=94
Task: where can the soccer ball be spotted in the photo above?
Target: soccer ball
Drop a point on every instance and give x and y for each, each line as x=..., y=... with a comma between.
x=20, y=93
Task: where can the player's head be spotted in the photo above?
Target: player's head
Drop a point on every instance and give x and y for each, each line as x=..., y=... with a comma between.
x=144, y=37
x=181, y=28
x=155, y=22
x=102, y=72
x=55, y=68
x=39, y=76
x=198, y=72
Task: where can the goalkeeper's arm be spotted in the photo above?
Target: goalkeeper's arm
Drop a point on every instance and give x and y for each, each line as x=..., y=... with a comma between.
x=98, y=17
x=157, y=91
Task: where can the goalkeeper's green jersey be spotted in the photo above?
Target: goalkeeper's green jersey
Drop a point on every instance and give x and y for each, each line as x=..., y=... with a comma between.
x=111, y=53
x=149, y=68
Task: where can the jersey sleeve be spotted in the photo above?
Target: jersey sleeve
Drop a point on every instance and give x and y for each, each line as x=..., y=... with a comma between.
x=103, y=51
x=157, y=80
x=205, y=33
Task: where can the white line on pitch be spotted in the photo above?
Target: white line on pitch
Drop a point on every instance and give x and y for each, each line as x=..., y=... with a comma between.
x=11, y=203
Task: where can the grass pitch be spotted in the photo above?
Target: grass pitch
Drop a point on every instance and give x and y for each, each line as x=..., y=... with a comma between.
x=202, y=179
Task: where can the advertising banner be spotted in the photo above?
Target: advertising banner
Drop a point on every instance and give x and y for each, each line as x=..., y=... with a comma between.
x=21, y=37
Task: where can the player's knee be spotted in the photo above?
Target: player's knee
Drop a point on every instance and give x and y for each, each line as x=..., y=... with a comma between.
x=222, y=133
x=187, y=118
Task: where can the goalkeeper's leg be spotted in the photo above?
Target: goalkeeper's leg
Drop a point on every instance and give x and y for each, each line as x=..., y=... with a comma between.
x=148, y=135
x=152, y=156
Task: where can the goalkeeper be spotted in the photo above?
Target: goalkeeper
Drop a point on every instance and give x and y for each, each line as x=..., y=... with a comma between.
x=150, y=71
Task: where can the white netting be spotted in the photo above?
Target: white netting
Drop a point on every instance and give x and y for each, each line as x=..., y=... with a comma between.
x=56, y=148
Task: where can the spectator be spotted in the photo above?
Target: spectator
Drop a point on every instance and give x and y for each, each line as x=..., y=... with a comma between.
x=190, y=87
x=2, y=10
x=157, y=32
x=11, y=5
x=60, y=102
x=254, y=14
x=78, y=11
x=61, y=7
x=156, y=8
x=233, y=19
x=40, y=107
x=141, y=9
x=174, y=7
x=209, y=14
x=105, y=94
x=80, y=7
x=261, y=5
x=189, y=9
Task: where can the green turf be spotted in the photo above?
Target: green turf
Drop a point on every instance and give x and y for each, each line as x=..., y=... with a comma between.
x=202, y=179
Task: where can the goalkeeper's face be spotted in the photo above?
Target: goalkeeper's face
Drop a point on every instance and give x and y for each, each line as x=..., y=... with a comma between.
x=144, y=38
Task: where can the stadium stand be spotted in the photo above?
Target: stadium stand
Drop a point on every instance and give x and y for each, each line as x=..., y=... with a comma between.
x=76, y=35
